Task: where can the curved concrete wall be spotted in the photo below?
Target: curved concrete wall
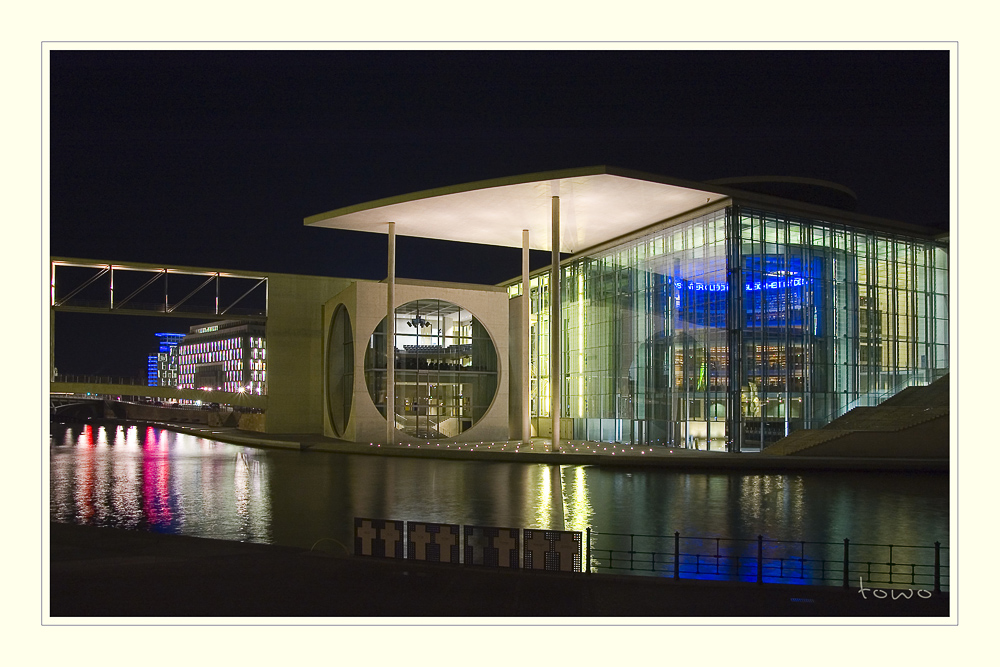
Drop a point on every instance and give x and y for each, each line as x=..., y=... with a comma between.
x=365, y=303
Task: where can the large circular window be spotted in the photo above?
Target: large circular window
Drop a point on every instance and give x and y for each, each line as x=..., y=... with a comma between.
x=445, y=369
x=340, y=369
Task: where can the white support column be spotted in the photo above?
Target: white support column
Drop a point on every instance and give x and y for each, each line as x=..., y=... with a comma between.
x=390, y=341
x=555, y=330
x=525, y=341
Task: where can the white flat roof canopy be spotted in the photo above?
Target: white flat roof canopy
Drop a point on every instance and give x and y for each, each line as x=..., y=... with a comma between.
x=596, y=204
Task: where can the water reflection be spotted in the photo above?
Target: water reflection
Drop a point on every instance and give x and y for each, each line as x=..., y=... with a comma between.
x=156, y=484
x=126, y=501
x=548, y=499
x=157, y=480
x=250, y=488
x=577, y=509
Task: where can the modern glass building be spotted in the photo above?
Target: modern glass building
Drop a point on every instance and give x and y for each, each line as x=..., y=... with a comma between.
x=691, y=314
x=161, y=368
x=228, y=356
x=738, y=326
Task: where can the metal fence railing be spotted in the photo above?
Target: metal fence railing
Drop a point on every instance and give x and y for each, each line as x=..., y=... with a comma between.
x=680, y=557
x=101, y=379
x=771, y=561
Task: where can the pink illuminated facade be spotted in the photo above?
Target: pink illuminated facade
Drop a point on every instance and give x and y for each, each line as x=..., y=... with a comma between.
x=225, y=356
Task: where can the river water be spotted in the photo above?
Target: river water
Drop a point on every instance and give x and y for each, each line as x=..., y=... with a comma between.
x=147, y=478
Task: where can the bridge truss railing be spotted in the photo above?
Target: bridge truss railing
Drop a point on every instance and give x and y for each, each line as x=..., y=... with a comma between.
x=141, y=288
x=102, y=379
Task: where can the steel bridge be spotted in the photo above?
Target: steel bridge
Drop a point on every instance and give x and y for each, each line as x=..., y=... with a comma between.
x=97, y=286
x=91, y=286
x=290, y=306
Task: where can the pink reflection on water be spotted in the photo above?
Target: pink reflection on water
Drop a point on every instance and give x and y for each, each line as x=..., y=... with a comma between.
x=86, y=438
x=83, y=482
x=156, y=480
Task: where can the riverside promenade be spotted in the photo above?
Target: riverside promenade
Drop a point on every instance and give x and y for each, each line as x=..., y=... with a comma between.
x=128, y=574
x=572, y=452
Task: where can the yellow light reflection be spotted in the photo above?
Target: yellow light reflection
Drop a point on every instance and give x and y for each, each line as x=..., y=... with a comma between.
x=544, y=506
x=578, y=510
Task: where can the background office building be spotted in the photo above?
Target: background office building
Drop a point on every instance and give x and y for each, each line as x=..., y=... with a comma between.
x=162, y=367
x=228, y=356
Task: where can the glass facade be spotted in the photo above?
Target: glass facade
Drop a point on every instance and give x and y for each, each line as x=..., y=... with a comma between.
x=228, y=356
x=733, y=329
x=162, y=367
x=446, y=369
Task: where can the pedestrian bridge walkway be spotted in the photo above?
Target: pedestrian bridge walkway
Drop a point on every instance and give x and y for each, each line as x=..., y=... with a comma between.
x=97, y=387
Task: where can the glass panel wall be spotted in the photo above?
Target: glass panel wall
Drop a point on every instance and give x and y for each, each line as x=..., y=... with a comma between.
x=644, y=339
x=844, y=318
x=731, y=330
x=445, y=373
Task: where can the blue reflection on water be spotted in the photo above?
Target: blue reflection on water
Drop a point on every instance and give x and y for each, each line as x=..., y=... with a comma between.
x=153, y=479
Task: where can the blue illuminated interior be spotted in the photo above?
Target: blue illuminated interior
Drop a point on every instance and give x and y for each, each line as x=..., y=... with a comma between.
x=778, y=292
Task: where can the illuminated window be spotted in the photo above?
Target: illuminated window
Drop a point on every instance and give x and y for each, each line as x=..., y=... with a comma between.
x=446, y=369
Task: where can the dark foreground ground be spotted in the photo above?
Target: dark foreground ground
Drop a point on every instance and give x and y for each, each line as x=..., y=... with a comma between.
x=98, y=572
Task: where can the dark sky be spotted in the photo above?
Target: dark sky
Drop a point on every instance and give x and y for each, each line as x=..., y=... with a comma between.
x=213, y=158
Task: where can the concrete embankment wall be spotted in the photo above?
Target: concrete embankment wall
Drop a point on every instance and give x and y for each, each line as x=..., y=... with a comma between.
x=912, y=424
x=156, y=413
x=928, y=440
x=134, y=412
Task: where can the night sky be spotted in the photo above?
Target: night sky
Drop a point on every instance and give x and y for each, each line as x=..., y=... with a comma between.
x=213, y=158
